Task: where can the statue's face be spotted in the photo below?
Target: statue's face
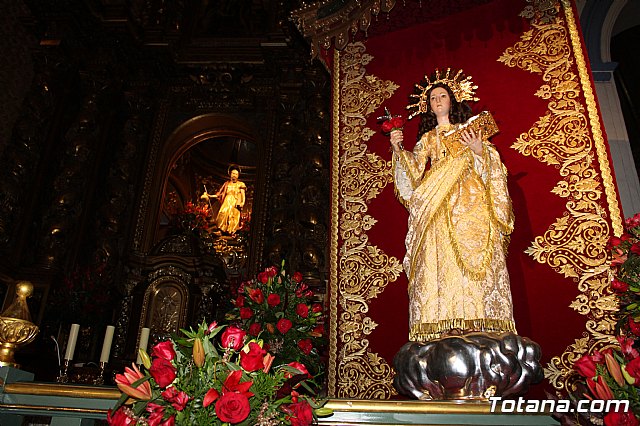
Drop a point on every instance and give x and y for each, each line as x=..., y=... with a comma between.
x=439, y=101
x=234, y=175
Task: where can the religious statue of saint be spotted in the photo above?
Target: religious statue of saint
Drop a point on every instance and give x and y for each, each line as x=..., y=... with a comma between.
x=460, y=216
x=232, y=196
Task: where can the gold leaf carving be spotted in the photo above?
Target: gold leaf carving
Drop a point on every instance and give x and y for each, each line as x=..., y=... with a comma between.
x=569, y=139
x=363, y=270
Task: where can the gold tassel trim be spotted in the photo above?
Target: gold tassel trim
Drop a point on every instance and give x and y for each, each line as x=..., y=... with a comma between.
x=430, y=331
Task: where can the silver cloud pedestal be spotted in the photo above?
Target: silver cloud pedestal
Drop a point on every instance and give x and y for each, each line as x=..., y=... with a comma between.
x=475, y=366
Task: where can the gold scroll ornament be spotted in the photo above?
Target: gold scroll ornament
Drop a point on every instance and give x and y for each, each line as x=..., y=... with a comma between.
x=482, y=122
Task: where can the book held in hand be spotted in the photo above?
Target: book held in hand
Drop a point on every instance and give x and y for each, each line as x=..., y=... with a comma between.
x=482, y=122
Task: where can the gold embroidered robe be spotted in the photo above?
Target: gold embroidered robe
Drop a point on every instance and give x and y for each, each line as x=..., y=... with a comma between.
x=460, y=218
x=231, y=196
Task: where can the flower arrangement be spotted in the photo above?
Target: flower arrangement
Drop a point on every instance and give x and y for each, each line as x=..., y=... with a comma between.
x=614, y=373
x=214, y=375
x=625, y=268
x=279, y=309
x=391, y=122
x=193, y=218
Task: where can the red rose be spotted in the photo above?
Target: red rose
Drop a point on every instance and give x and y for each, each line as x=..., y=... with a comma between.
x=232, y=407
x=302, y=309
x=210, y=397
x=240, y=301
x=164, y=350
x=634, y=326
x=255, y=329
x=619, y=419
x=233, y=337
x=178, y=399
x=619, y=286
x=585, y=366
x=386, y=126
x=163, y=372
x=635, y=248
x=263, y=277
x=252, y=360
x=256, y=295
x=316, y=307
x=297, y=277
x=273, y=300
x=305, y=346
x=284, y=325
x=301, y=413
x=120, y=418
x=246, y=313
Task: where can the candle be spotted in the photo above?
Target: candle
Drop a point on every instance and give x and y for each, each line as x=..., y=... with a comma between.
x=144, y=339
x=71, y=343
x=106, y=345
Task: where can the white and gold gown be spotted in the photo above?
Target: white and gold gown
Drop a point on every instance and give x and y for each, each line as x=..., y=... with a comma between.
x=460, y=218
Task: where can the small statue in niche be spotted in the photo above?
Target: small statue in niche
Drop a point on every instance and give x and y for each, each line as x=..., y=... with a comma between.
x=232, y=196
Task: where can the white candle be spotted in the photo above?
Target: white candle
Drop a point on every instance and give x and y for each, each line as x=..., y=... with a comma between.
x=144, y=340
x=71, y=343
x=106, y=345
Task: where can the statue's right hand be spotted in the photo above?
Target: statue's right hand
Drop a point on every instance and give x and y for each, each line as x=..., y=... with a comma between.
x=396, y=139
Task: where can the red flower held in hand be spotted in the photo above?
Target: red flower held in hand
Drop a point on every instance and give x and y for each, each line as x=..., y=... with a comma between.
x=395, y=123
x=162, y=372
x=284, y=325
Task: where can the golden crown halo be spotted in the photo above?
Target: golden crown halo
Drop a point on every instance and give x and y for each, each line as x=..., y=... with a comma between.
x=462, y=87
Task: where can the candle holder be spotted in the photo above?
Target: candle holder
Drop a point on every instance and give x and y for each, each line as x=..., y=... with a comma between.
x=100, y=379
x=64, y=372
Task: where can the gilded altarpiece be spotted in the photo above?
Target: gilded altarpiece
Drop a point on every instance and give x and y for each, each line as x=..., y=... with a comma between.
x=558, y=158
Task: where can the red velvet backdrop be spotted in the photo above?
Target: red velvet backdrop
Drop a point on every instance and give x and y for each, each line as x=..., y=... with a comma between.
x=473, y=40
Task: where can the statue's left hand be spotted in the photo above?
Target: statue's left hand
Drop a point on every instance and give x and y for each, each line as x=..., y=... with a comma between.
x=473, y=140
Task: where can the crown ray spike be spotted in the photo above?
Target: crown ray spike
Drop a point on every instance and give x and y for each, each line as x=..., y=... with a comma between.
x=463, y=89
